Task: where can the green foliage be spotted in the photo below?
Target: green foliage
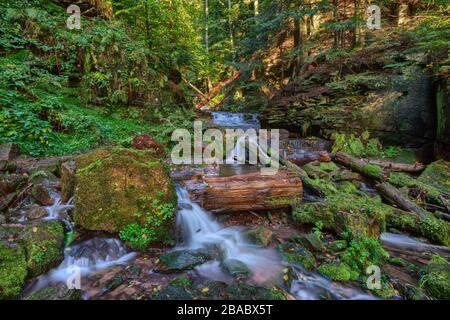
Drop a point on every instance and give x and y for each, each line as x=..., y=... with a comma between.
x=362, y=146
x=336, y=272
x=154, y=213
x=181, y=282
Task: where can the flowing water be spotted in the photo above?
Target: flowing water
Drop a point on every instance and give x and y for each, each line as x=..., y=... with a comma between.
x=233, y=120
x=86, y=258
x=200, y=230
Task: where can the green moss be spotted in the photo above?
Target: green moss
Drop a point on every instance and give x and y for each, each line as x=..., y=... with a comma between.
x=324, y=186
x=437, y=175
x=372, y=171
x=109, y=184
x=342, y=212
x=56, y=293
x=181, y=282
x=436, y=278
x=13, y=271
x=328, y=166
x=260, y=236
x=348, y=187
x=315, y=171
x=297, y=255
x=44, y=246
x=336, y=272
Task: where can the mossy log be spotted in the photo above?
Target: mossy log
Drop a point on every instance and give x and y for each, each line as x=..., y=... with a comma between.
x=307, y=181
x=361, y=166
x=394, y=196
x=399, y=167
x=248, y=192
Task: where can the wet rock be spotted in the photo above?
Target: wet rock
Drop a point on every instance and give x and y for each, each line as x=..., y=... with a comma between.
x=9, y=151
x=260, y=236
x=110, y=184
x=173, y=292
x=296, y=254
x=312, y=241
x=67, y=180
x=177, y=261
x=13, y=270
x=56, y=293
x=114, y=283
x=146, y=142
x=36, y=212
x=11, y=183
x=42, y=195
x=185, y=206
x=236, y=268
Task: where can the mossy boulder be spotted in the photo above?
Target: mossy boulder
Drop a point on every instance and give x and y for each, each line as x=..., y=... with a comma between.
x=110, y=183
x=344, y=212
x=236, y=268
x=44, y=244
x=315, y=171
x=436, y=278
x=336, y=271
x=56, y=293
x=260, y=236
x=296, y=254
x=180, y=260
x=13, y=270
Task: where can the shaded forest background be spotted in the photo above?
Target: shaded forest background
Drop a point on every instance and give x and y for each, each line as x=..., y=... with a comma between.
x=137, y=66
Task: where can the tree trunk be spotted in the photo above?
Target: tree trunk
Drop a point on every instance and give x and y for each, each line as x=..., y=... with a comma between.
x=394, y=196
x=248, y=192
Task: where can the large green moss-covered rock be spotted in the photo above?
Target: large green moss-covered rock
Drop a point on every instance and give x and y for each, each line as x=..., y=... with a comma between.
x=110, y=183
x=13, y=270
x=345, y=212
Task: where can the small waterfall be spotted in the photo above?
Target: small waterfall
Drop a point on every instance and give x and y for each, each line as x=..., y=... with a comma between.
x=235, y=120
x=199, y=230
x=58, y=211
x=89, y=256
x=312, y=286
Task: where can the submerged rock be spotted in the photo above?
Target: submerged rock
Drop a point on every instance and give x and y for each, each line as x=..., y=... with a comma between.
x=110, y=183
x=236, y=268
x=180, y=260
x=36, y=212
x=260, y=236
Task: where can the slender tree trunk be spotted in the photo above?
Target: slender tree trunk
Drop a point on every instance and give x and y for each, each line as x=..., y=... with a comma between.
x=230, y=25
x=209, y=84
x=256, y=5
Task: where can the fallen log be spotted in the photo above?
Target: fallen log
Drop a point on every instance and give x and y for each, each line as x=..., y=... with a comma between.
x=216, y=90
x=361, y=166
x=395, y=197
x=307, y=157
x=247, y=192
x=399, y=167
x=307, y=181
